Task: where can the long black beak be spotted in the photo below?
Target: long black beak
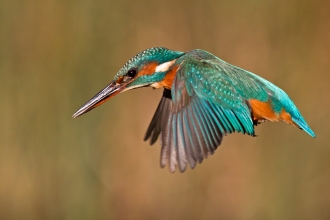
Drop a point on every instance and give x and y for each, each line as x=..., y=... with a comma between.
x=104, y=95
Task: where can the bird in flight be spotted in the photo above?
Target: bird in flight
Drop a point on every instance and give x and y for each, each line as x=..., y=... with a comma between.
x=204, y=99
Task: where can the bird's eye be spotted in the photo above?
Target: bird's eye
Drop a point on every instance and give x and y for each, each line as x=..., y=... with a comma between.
x=131, y=73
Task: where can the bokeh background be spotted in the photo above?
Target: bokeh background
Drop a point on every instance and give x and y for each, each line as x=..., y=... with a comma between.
x=55, y=55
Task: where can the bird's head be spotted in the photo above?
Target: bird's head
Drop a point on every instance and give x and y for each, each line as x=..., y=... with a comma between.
x=147, y=68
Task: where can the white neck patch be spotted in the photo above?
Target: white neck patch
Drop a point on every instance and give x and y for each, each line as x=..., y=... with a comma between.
x=164, y=66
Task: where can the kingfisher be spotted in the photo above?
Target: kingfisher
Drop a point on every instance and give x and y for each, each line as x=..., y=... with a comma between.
x=204, y=99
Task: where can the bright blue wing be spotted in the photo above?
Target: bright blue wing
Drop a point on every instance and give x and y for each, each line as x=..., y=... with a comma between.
x=209, y=99
x=194, y=118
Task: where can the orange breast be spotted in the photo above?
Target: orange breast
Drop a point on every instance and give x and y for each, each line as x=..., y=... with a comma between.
x=168, y=80
x=169, y=77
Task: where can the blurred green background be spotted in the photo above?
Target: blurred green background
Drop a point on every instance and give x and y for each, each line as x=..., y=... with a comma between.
x=55, y=55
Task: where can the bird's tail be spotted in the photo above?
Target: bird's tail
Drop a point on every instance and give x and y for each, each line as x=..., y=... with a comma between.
x=301, y=123
x=295, y=115
x=281, y=103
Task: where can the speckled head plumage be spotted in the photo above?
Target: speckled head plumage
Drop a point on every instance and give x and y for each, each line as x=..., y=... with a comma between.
x=157, y=55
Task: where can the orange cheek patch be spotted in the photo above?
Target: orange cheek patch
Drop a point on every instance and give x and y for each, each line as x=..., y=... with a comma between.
x=262, y=110
x=148, y=69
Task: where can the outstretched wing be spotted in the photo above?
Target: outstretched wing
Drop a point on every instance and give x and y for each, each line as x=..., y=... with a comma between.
x=204, y=105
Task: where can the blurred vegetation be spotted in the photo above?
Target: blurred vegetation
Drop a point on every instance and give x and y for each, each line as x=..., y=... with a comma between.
x=55, y=55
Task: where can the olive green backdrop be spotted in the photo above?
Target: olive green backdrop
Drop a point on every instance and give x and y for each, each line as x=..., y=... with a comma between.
x=55, y=55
